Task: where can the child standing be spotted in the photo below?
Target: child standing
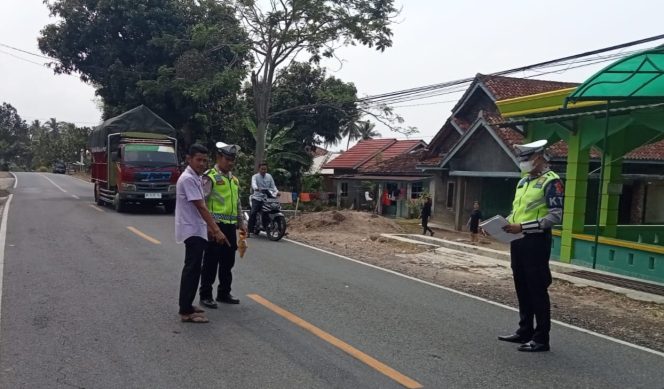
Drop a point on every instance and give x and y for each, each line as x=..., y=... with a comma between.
x=474, y=222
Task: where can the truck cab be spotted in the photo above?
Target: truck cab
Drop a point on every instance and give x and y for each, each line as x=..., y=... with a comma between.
x=146, y=173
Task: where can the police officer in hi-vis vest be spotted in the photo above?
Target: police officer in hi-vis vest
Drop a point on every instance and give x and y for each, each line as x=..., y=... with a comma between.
x=222, y=193
x=537, y=206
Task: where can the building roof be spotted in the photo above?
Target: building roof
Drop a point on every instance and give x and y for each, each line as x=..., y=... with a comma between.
x=405, y=164
x=653, y=152
x=395, y=150
x=320, y=160
x=510, y=87
x=359, y=154
x=371, y=151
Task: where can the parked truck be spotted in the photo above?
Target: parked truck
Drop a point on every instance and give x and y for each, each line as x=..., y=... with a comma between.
x=134, y=160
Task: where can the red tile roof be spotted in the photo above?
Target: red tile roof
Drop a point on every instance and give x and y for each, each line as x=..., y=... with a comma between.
x=653, y=151
x=396, y=149
x=371, y=151
x=510, y=87
x=405, y=164
x=359, y=154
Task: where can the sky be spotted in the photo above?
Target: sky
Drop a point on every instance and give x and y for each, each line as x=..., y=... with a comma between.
x=434, y=41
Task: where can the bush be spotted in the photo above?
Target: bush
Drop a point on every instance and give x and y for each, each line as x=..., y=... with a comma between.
x=42, y=169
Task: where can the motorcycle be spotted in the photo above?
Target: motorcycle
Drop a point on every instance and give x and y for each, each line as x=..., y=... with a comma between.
x=270, y=218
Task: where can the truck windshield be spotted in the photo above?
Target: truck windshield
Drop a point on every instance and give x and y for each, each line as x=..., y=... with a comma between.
x=149, y=155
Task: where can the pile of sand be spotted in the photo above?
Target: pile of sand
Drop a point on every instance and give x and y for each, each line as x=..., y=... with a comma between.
x=350, y=222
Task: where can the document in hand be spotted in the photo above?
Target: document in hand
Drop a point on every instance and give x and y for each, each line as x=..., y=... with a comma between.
x=494, y=227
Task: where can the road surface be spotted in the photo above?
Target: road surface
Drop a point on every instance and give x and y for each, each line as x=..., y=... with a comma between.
x=89, y=303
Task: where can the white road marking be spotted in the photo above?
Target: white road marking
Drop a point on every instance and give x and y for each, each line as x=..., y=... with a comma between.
x=76, y=197
x=3, y=239
x=15, y=179
x=636, y=346
x=52, y=182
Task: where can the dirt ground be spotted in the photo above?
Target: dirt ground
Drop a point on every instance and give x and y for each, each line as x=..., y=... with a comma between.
x=357, y=235
x=6, y=181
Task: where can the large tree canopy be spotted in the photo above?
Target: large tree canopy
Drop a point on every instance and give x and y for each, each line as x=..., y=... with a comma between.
x=318, y=106
x=185, y=59
x=280, y=30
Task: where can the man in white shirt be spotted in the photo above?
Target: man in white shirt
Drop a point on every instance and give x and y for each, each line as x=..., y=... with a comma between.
x=259, y=182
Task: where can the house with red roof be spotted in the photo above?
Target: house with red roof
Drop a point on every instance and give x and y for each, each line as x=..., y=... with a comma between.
x=372, y=170
x=473, y=159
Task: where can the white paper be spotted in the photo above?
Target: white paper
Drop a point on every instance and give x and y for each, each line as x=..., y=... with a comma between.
x=494, y=227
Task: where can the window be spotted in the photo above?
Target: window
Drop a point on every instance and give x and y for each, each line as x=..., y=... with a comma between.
x=344, y=189
x=450, y=194
x=417, y=188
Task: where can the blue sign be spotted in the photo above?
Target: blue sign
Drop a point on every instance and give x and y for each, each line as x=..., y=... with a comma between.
x=152, y=176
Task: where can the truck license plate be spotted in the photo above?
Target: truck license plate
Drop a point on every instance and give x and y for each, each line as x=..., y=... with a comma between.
x=153, y=195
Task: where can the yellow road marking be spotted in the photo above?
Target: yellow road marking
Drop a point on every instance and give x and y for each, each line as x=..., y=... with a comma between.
x=338, y=343
x=143, y=235
x=96, y=208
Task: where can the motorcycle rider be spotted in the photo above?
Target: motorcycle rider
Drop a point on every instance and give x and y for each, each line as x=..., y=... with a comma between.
x=260, y=183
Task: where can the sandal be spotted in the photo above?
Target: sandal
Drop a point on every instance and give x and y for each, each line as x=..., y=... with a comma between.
x=194, y=318
x=198, y=310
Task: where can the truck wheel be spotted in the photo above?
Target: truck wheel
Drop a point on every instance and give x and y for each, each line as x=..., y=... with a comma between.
x=169, y=207
x=118, y=204
x=98, y=199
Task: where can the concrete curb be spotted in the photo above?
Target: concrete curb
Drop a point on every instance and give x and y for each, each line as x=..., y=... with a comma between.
x=502, y=258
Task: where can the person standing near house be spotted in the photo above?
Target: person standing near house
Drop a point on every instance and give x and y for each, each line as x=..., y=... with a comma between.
x=537, y=206
x=222, y=191
x=192, y=223
x=474, y=222
x=426, y=215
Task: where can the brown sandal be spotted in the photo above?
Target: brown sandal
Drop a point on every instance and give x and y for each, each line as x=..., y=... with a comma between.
x=194, y=318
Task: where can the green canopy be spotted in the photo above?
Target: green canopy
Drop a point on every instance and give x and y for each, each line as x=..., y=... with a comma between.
x=139, y=119
x=639, y=76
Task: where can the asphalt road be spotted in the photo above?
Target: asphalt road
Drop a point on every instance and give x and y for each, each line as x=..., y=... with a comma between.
x=87, y=303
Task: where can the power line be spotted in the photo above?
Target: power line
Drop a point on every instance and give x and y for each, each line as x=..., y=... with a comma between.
x=25, y=51
x=21, y=58
x=411, y=92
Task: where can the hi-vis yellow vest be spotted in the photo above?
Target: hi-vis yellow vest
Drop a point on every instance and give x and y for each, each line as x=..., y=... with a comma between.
x=529, y=200
x=224, y=196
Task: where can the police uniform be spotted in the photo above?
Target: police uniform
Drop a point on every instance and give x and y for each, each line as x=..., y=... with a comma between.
x=222, y=192
x=537, y=206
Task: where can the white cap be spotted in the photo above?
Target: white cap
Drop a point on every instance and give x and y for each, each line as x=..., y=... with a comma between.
x=531, y=148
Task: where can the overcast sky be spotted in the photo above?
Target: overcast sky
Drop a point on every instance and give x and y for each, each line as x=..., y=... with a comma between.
x=435, y=41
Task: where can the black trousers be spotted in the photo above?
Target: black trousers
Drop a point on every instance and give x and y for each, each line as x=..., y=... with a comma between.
x=532, y=277
x=191, y=272
x=425, y=225
x=255, y=207
x=221, y=258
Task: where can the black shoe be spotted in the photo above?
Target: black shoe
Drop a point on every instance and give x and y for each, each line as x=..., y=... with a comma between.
x=228, y=299
x=431, y=233
x=209, y=303
x=533, y=347
x=514, y=338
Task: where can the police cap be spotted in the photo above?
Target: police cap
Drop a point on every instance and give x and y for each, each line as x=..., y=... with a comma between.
x=525, y=151
x=230, y=151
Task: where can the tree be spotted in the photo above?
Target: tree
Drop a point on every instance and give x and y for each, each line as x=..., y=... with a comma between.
x=367, y=130
x=359, y=130
x=329, y=101
x=289, y=27
x=185, y=59
x=280, y=150
x=14, y=138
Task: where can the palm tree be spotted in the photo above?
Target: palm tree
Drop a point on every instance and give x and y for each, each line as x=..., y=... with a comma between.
x=366, y=130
